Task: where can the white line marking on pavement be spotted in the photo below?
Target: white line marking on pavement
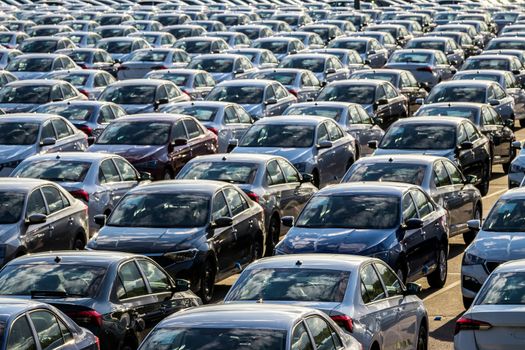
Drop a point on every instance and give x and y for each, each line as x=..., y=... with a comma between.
x=441, y=291
x=496, y=193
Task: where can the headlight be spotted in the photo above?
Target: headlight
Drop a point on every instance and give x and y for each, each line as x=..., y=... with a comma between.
x=182, y=255
x=152, y=164
x=516, y=168
x=471, y=259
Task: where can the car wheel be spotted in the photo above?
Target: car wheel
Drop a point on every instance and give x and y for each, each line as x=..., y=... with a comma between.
x=422, y=338
x=438, y=277
x=207, y=282
x=316, y=180
x=467, y=302
x=469, y=236
x=274, y=230
x=522, y=123
x=484, y=186
x=168, y=175
x=79, y=243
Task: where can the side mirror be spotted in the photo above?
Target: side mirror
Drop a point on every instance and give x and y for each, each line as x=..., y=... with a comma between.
x=293, y=52
x=493, y=102
x=100, y=219
x=306, y=178
x=509, y=123
x=474, y=225
x=382, y=101
x=239, y=71
x=222, y=222
x=367, y=61
x=180, y=142
x=324, y=144
x=162, y=101
x=36, y=219
x=516, y=145
x=516, y=71
x=323, y=83
x=48, y=141
x=466, y=145
x=412, y=224
x=453, y=62
x=144, y=176
x=420, y=100
x=471, y=179
x=377, y=120
x=181, y=285
x=412, y=289
x=373, y=144
x=288, y=221
x=371, y=52
x=91, y=140
x=271, y=101
x=330, y=71
x=232, y=144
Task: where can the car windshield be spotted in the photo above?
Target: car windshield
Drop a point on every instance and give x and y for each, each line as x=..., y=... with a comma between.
x=135, y=133
x=193, y=338
x=76, y=79
x=506, y=44
x=504, y=288
x=483, y=63
x=237, y=94
x=364, y=95
x=161, y=210
x=427, y=44
x=449, y=111
x=212, y=65
x=390, y=77
x=75, y=280
x=477, y=76
x=54, y=170
x=234, y=172
x=111, y=32
x=202, y=113
x=194, y=46
x=321, y=111
x=506, y=216
x=420, y=136
x=30, y=65
x=457, y=93
x=279, y=135
x=281, y=77
x=25, y=94
x=5, y=38
x=315, y=65
x=291, y=284
x=401, y=172
x=11, y=207
x=359, y=46
x=116, y=46
x=274, y=46
x=71, y=112
x=79, y=57
x=356, y=211
x=129, y=94
x=18, y=133
x=178, y=79
x=41, y=46
x=148, y=56
x=411, y=57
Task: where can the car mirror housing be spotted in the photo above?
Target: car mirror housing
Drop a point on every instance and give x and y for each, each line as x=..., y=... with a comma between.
x=324, y=144
x=271, y=101
x=223, y=221
x=413, y=224
x=36, y=219
x=144, y=176
x=330, y=71
x=100, y=219
x=288, y=221
x=466, y=145
x=382, y=101
x=471, y=179
x=373, y=144
x=474, y=225
x=48, y=141
x=509, y=123
x=493, y=102
x=516, y=145
x=232, y=144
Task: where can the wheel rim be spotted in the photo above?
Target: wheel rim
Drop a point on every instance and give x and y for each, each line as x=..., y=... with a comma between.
x=442, y=265
x=208, y=282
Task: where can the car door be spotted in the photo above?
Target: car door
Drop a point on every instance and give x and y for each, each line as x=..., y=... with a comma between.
x=178, y=156
x=36, y=235
x=411, y=89
x=111, y=182
x=430, y=233
x=66, y=138
x=478, y=150
x=464, y=197
x=343, y=157
x=465, y=157
x=300, y=339
x=412, y=240
x=50, y=332
x=296, y=194
x=47, y=133
x=506, y=134
x=396, y=102
x=283, y=99
x=201, y=90
x=447, y=195
x=493, y=132
x=61, y=219
x=505, y=102
x=324, y=337
x=129, y=177
x=199, y=142
x=232, y=128
x=223, y=239
x=271, y=109
x=243, y=226
x=326, y=160
x=383, y=111
x=21, y=335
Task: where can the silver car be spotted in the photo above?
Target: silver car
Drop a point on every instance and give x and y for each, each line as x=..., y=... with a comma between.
x=222, y=66
x=361, y=294
x=36, y=66
x=260, y=58
x=98, y=179
x=89, y=82
x=141, y=62
x=118, y=47
x=195, y=83
x=326, y=67
x=157, y=39
x=8, y=55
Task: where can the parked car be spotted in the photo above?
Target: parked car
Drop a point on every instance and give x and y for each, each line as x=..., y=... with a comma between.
x=11, y=40
x=348, y=57
x=222, y=67
x=92, y=58
x=180, y=31
x=260, y=58
x=140, y=62
x=8, y=55
x=36, y=66
x=45, y=44
x=158, y=39
x=82, y=39
x=199, y=45
x=454, y=53
x=517, y=166
x=326, y=67
x=195, y=83
x=89, y=82
x=118, y=47
x=279, y=46
x=100, y=291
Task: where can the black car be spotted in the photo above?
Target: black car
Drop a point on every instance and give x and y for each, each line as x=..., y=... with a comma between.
x=199, y=230
x=119, y=297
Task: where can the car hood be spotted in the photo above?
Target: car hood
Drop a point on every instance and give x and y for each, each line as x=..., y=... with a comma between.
x=331, y=240
x=498, y=246
x=8, y=233
x=29, y=75
x=17, y=107
x=132, y=153
x=292, y=154
x=144, y=240
x=12, y=153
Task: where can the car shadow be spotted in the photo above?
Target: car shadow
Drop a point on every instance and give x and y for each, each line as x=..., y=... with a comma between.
x=446, y=331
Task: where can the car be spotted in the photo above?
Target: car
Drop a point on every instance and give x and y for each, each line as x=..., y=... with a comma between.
x=36, y=66
x=348, y=57
x=384, y=38
x=11, y=40
x=345, y=26
x=494, y=310
x=206, y=211
x=379, y=98
x=462, y=39
x=6, y=77
x=18, y=25
x=468, y=29
x=439, y=177
x=145, y=25
x=82, y=39
x=327, y=32
x=481, y=27
x=477, y=91
x=157, y=39
x=314, y=145
x=89, y=82
x=232, y=38
x=24, y=95
x=259, y=97
x=195, y=83
x=509, y=63
x=326, y=67
x=268, y=180
x=210, y=25
x=180, y=31
x=342, y=287
x=99, y=291
x=48, y=30
x=279, y=327
x=81, y=25
x=359, y=20
x=338, y=219
x=118, y=47
x=31, y=322
x=92, y=58
x=520, y=54
x=502, y=43
x=111, y=31
x=156, y=143
x=172, y=18
x=230, y=19
x=141, y=95
x=294, y=20
x=253, y=31
x=398, y=32
x=260, y=58
x=39, y=215
x=457, y=139
x=497, y=241
x=7, y=55
x=45, y=44
x=370, y=50
x=113, y=18
x=91, y=117
x=455, y=54
x=140, y=62
x=222, y=67
x=198, y=45
x=280, y=46
x=310, y=40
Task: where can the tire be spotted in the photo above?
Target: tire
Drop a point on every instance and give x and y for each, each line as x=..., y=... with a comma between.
x=422, y=338
x=469, y=236
x=467, y=302
x=274, y=230
x=167, y=175
x=316, y=180
x=438, y=277
x=349, y=164
x=522, y=123
x=485, y=184
x=257, y=250
x=207, y=282
x=79, y=243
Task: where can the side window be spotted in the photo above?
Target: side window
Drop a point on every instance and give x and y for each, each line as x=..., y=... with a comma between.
x=495, y=116
x=219, y=207
x=424, y=207
x=126, y=170
x=48, y=131
x=192, y=127
x=158, y=280
x=322, y=133
x=161, y=93
x=321, y=332
x=472, y=133
x=371, y=287
x=209, y=80
x=301, y=339
x=100, y=80
x=68, y=91
x=105, y=115
x=107, y=172
x=334, y=131
x=53, y=198
x=61, y=128
x=237, y=203
x=179, y=132
x=244, y=117
x=230, y=117
x=462, y=135
x=36, y=204
x=270, y=93
x=390, y=92
x=405, y=82
x=172, y=91
x=409, y=208
x=453, y=172
x=21, y=336
x=47, y=329
x=199, y=80
x=56, y=94
x=280, y=92
x=380, y=93
x=499, y=93
x=390, y=280
x=118, y=111
x=132, y=281
x=440, y=175
x=488, y=119
x=289, y=171
x=275, y=173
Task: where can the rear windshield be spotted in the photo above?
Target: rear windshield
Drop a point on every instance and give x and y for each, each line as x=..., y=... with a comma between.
x=46, y=279
x=292, y=284
x=70, y=112
x=55, y=170
x=407, y=173
x=506, y=288
x=239, y=173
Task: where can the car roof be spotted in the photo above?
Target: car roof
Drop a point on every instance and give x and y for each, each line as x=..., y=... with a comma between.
x=21, y=184
x=379, y=70
x=151, y=117
x=218, y=104
x=372, y=187
x=371, y=82
x=324, y=104
x=400, y=158
x=27, y=117
x=78, y=156
x=95, y=257
x=515, y=193
x=247, y=82
x=512, y=266
x=310, y=55
x=12, y=306
x=282, y=70
x=230, y=56
x=41, y=55
x=479, y=83
x=491, y=57
x=429, y=51
x=433, y=120
x=149, y=82
x=36, y=82
x=344, y=262
x=179, y=186
x=435, y=38
x=483, y=71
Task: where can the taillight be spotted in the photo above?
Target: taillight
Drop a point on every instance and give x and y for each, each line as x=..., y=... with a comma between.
x=97, y=343
x=425, y=69
x=87, y=317
x=84, y=92
x=468, y=324
x=344, y=321
x=80, y=194
x=213, y=130
x=293, y=92
x=86, y=129
x=253, y=196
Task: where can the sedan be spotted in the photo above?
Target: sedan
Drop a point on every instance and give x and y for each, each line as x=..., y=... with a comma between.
x=89, y=82
x=260, y=58
x=81, y=39
x=497, y=61
x=379, y=219
x=118, y=47
x=38, y=215
x=341, y=287
x=140, y=62
x=370, y=50
x=92, y=58
x=279, y=46
x=348, y=57
x=11, y=40
x=448, y=46
x=180, y=31
x=195, y=83
x=45, y=44
x=35, y=66
x=242, y=327
x=198, y=45
x=222, y=67
x=117, y=296
x=326, y=67
x=200, y=230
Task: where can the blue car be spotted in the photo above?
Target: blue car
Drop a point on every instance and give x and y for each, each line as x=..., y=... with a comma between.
x=314, y=145
x=397, y=223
